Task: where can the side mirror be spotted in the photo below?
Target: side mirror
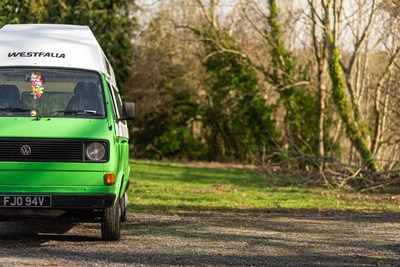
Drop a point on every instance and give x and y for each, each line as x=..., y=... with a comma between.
x=128, y=110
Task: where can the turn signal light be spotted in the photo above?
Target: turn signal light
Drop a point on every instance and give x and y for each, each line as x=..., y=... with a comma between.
x=109, y=178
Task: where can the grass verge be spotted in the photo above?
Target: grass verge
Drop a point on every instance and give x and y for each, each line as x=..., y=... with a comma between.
x=159, y=187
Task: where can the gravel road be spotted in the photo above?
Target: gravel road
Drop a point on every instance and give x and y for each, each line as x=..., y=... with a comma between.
x=281, y=238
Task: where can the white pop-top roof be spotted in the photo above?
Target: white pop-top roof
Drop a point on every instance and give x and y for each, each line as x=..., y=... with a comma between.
x=52, y=45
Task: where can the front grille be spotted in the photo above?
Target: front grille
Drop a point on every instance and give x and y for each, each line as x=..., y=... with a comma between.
x=46, y=150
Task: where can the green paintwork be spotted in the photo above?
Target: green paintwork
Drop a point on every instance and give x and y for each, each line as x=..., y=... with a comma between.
x=65, y=178
x=53, y=128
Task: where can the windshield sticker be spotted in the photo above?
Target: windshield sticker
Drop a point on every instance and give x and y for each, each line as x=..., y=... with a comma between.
x=36, y=85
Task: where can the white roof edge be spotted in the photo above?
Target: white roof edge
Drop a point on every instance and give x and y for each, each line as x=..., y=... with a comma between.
x=52, y=45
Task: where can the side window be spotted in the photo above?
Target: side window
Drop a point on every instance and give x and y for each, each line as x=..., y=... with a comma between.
x=117, y=102
x=114, y=104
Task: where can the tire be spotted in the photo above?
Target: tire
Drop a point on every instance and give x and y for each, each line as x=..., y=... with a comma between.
x=111, y=223
x=123, y=204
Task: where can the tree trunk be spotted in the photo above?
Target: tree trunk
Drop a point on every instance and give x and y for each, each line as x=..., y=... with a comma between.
x=321, y=59
x=344, y=107
x=321, y=106
x=347, y=112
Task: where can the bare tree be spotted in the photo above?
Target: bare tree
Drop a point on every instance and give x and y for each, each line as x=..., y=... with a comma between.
x=320, y=53
x=341, y=76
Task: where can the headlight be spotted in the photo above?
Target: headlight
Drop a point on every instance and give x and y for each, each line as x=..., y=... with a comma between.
x=95, y=151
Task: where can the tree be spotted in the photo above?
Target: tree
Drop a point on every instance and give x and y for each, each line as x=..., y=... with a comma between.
x=289, y=80
x=348, y=109
x=298, y=102
x=166, y=125
x=237, y=119
x=8, y=10
x=320, y=53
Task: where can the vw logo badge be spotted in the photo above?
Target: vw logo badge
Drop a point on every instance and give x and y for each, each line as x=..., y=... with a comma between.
x=26, y=150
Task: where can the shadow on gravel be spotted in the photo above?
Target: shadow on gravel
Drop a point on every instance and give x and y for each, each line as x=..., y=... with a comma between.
x=111, y=258
x=307, y=238
x=148, y=259
x=39, y=231
x=280, y=238
x=167, y=259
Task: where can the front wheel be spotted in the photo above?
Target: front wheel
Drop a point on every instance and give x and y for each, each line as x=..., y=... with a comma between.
x=111, y=222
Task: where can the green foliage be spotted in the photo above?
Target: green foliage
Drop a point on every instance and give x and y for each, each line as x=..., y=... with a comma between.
x=167, y=108
x=237, y=119
x=8, y=9
x=165, y=130
x=282, y=61
x=231, y=121
x=40, y=11
x=333, y=150
x=301, y=118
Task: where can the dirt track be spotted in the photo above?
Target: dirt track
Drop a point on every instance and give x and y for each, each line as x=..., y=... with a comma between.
x=271, y=239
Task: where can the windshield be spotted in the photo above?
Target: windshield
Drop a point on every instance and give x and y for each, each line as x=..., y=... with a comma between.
x=49, y=92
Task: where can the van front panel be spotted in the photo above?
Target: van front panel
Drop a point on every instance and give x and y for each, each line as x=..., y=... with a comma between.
x=58, y=138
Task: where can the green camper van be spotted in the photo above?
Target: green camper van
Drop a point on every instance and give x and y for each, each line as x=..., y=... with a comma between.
x=64, y=142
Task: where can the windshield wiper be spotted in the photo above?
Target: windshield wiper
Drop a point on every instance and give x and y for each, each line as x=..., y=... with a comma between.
x=11, y=109
x=72, y=111
x=81, y=112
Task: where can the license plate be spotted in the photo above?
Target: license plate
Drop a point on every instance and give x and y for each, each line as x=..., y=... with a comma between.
x=25, y=201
